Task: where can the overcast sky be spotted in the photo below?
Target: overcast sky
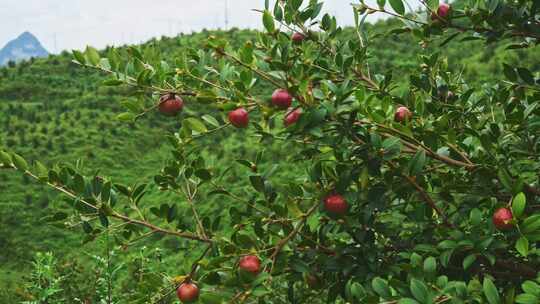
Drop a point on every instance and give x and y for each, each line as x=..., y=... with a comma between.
x=73, y=24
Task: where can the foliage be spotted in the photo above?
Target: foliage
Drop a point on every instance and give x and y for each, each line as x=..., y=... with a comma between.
x=45, y=282
x=421, y=192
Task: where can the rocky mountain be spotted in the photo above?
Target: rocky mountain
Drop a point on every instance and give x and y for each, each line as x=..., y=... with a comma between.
x=23, y=47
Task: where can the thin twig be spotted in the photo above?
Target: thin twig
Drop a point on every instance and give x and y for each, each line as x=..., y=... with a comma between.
x=295, y=231
x=122, y=217
x=423, y=194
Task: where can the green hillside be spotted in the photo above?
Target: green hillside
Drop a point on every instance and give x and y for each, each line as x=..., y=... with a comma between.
x=56, y=111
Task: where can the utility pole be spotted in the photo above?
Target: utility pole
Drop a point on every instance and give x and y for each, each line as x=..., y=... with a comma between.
x=226, y=15
x=55, y=45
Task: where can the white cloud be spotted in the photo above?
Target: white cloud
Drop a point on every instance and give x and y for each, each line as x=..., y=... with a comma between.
x=69, y=24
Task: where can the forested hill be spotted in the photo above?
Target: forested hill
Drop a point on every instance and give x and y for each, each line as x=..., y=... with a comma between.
x=55, y=111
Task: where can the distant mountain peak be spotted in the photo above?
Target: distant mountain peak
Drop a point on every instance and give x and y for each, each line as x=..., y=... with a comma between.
x=24, y=47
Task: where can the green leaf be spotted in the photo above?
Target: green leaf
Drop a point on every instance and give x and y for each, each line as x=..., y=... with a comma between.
x=171, y=214
x=527, y=299
x=211, y=298
x=19, y=162
x=417, y=163
x=126, y=116
x=5, y=158
x=381, y=3
x=469, y=260
x=211, y=120
x=530, y=224
x=356, y=291
x=518, y=205
x=509, y=72
x=295, y=4
x=526, y=75
x=392, y=147
x=195, y=125
x=41, y=170
x=203, y=174
x=445, y=257
x=78, y=183
x=380, y=286
x=92, y=55
x=268, y=21
x=531, y=287
x=475, y=217
x=430, y=265
x=278, y=11
x=398, y=6
x=419, y=290
x=522, y=246
x=79, y=57
x=433, y=4
x=112, y=82
x=491, y=292
x=103, y=220
x=257, y=182
x=58, y=216
x=505, y=179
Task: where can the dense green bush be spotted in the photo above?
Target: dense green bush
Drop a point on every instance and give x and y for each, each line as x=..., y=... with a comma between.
x=421, y=191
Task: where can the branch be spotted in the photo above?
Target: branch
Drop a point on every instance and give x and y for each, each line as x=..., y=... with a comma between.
x=284, y=241
x=256, y=71
x=119, y=216
x=133, y=82
x=189, y=196
x=424, y=195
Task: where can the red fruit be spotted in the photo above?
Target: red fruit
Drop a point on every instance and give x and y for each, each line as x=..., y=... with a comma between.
x=502, y=219
x=188, y=292
x=281, y=99
x=297, y=37
x=402, y=114
x=443, y=12
x=250, y=264
x=239, y=118
x=170, y=104
x=336, y=204
x=292, y=117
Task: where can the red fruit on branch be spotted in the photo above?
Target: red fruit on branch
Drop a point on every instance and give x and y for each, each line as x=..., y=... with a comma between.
x=336, y=204
x=239, y=118
x=402, y=114
x=170, y=104
x=188, y=292
x=281, y=99
x=502, y=219
x=298, y=37
x=250, y=264
x=443, y=12
x=292, y=117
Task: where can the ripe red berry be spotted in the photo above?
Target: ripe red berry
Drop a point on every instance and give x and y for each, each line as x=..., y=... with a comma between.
x=502, y=218
x=250, y=264
x=292, y=117
x=443, y=12
x=170, y=104
x=402, y=114
x=281, y=99
x=188, y=292
x=298, y=37
x=336, y=204
x=239, y=118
